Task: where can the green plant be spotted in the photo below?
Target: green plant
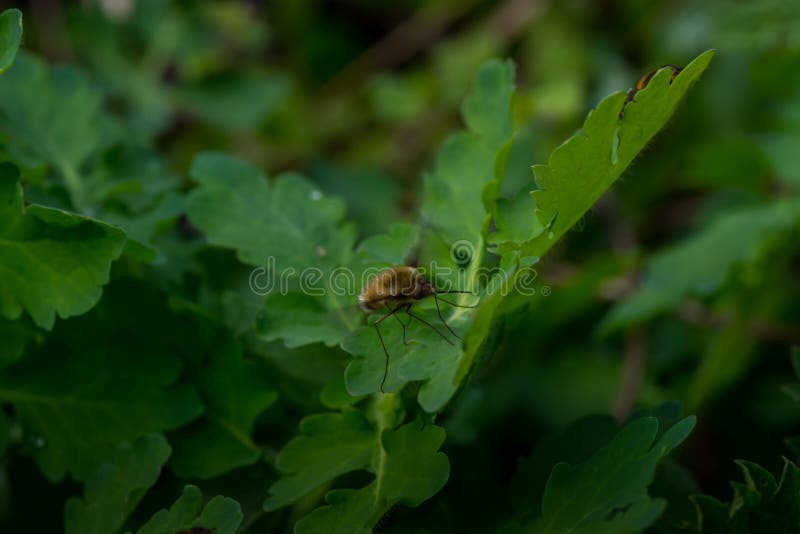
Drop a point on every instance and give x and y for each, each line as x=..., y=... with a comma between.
x=168, y=331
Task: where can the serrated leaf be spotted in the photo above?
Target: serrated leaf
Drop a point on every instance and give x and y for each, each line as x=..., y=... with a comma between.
x=10, y=37
x=759, y=505
x=80, y=406
x=116, y=487
x=407, y=467
x=52, y=262
x=288, y=228
x=608, y=492
x=573, y=446
x=288, y=220
x=580, y=170
x=221, y=515
x=52, y=116
x=235, y=392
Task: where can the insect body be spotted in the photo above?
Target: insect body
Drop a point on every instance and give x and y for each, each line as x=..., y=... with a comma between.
x=644, y=80
x=396, y=290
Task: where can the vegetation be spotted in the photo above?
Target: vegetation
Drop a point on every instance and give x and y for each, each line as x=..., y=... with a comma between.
x=193, y=194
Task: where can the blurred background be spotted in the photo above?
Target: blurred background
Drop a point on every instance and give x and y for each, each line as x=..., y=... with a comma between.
x=682, y=283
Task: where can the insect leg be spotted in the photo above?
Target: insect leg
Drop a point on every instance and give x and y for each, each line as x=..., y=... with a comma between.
x=454, y=304
x=404, y=325
x=441, y=318
x=380, y=337
x=426, y=323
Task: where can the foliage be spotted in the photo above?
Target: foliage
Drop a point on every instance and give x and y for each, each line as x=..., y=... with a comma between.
x=192, y=196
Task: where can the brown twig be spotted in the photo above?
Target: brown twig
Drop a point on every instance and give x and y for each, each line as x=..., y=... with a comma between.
x=633, y=368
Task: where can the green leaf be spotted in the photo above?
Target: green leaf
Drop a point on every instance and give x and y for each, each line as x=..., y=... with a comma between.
x=427, y=357
x=235, y=391
x=759, y=505
x=79, y=405
x=51, y=261
x=221, y=515
x=289, y=229
x=453, y=205
x=289, y=220
x=53, y=116
x=453, y=208
x=407, y=467
x=608, y=492
x=10, y=37
x=574, y=445
x=117, y=486
x=689, y=270
x=580, y=170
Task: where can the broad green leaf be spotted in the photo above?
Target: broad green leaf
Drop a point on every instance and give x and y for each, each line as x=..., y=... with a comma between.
x=221, y=515
x=608, y=492
x=117, y=486
x=407, y=467
x=580, y=170
x=689, y=269
x=761, y=504
x=235, y=392
x=289, y=229
x=53, y=116
x=10, y=36
x=79, y=405
x=52, y=262
x=288, y=220
x=300, y=319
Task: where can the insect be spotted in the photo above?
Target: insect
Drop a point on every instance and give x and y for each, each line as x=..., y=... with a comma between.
x=397, y=289
x=644, y=80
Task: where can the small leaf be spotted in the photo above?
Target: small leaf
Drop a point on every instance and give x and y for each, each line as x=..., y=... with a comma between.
x=608, y=492
x=51, y=261
x=10, y=37
x=221, y=515
x=406, y=463
x=117, y=486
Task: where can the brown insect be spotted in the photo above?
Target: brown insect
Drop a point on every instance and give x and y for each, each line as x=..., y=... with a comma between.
x=397, y=289
x=644, y=80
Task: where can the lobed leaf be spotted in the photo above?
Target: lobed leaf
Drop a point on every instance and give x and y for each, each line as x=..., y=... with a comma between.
x=116, y=487
x=759, y=505
x=52, y=262
x=608, y=492
x=407, y=466
x=580, y=170
x=221, y=515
